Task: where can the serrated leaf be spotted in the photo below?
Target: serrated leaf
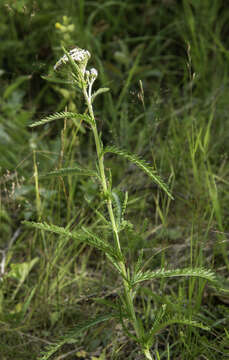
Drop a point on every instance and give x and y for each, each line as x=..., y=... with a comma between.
x=73, y=333
x=53, y=229
x=101, y=245
x=158, y=318
x=82, y=235
x=62, y=115
x=141, y=164
x=157, y=327
x=162, y=273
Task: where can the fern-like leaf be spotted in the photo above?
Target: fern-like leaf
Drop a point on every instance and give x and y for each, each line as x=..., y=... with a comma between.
x=162, y=273
x=139, y=263
x=83, y=235
x=73, y=334
x=141, y=164
x=170, y=320
x=119, y=201
x=62, y=115
x=53, y=229
x=93, y=240
x=158, y=319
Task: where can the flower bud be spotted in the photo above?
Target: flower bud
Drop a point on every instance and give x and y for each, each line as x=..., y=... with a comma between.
x=94, y=73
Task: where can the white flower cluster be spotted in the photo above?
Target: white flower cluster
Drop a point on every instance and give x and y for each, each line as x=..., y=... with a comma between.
x=91, y=75
x=84, y=76
x=78, y=55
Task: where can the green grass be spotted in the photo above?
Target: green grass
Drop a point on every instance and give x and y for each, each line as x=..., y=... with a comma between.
x=177, y=121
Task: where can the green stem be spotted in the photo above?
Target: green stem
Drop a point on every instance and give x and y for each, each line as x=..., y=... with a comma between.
x=127, y=290
x=147, y=354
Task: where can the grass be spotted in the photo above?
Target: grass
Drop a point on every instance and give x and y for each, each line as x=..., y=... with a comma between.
x=168, y=74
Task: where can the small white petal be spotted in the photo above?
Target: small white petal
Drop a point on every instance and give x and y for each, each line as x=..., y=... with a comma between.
x=94, y=73
x=80, y=56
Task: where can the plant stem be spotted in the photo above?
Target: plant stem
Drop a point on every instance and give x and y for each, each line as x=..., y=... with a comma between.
x=128, y=292
x=147, y=354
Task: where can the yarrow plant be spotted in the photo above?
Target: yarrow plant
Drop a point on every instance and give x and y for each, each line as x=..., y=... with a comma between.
x=124, y=311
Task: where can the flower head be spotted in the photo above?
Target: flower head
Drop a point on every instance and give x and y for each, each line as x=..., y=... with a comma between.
x=80, y=56
x=91, y=75
x=94, y=73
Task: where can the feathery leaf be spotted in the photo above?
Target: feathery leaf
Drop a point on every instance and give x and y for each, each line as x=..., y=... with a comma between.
x=141, y=164
x=162, y=273
x=61, y=115
x=73, y=333
x=102, y=245
x=83, y=235
x=53, y=229
x=169, y=320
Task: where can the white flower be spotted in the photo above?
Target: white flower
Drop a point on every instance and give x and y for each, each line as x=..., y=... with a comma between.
x=80, y=56
x=94, y=73
x=91, y=76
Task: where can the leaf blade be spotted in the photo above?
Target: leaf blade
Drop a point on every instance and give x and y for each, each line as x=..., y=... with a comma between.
x=62, y=115
x=142, y=165
x=161, y=273
x=73, y=333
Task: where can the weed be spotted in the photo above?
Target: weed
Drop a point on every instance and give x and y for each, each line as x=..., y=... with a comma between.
x=114, y=220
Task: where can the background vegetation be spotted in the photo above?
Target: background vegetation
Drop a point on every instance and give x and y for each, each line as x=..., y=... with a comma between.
x=166, y=63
